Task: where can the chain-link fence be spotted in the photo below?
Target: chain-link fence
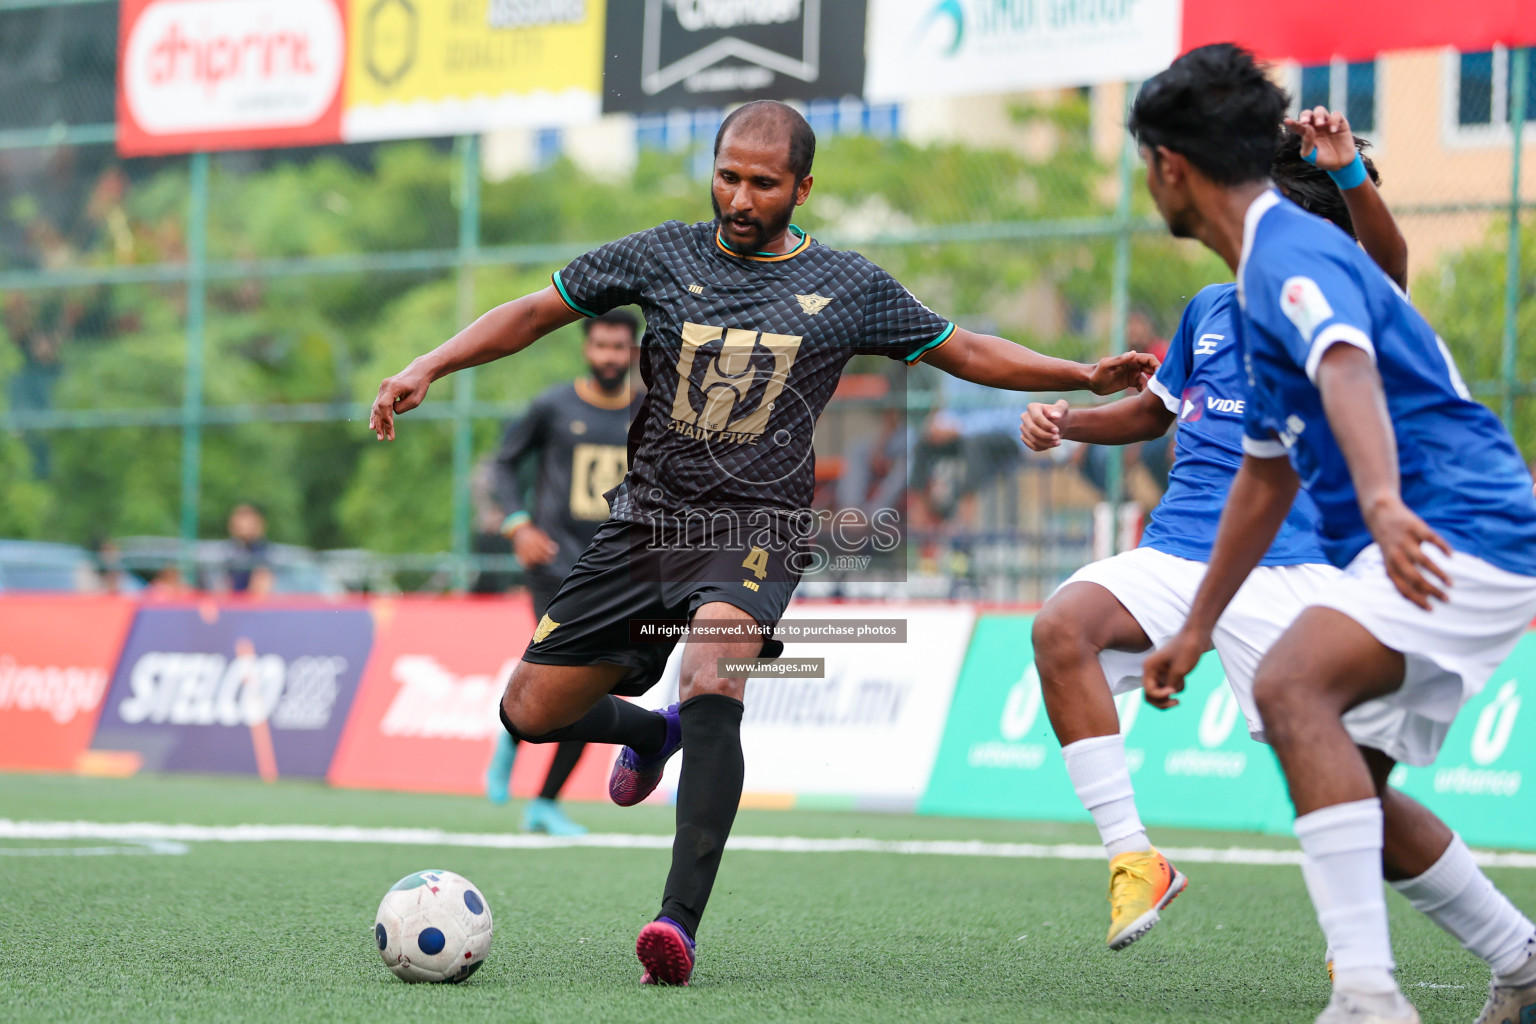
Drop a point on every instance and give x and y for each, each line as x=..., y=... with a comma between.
x=185, y=334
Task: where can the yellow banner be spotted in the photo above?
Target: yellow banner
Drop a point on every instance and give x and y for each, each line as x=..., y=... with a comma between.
x=443, y=67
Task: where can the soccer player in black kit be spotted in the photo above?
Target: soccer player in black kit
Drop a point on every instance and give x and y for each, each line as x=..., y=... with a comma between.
x=748, y=326
x=577, y=434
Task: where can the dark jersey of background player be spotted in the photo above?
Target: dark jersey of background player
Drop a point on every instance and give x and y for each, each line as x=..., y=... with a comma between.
x=741, y=353
x=576, y=435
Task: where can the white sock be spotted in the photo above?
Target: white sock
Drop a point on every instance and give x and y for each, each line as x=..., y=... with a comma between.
x=1457, y=896
x=1099, y=774
x=1341, y=861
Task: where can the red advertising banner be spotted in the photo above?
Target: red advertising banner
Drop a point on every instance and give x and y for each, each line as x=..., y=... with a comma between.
x=229, y=74
x=425, y=719
x=57, y=654
x=1316, y=31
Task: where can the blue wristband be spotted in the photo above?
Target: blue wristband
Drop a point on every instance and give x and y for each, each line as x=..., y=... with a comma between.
x=1311, y=157
x=1351, y=176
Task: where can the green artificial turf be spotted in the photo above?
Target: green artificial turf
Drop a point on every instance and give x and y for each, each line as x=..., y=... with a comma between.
x=283, y=931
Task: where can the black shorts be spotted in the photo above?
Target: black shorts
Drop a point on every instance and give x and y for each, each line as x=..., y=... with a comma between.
x=625, y=575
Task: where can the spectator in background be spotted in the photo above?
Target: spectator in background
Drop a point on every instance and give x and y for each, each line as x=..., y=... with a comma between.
x=1155, y=456
x=109, y=576
x=246, y=565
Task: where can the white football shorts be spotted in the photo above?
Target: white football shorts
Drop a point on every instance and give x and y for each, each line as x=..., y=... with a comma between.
x=1451, y=650
x=1157, y=589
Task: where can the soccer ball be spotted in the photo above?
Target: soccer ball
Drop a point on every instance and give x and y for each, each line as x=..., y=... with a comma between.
x=433, y=926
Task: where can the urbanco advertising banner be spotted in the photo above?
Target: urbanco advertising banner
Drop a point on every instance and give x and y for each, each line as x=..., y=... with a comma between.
x=426, y=718
x=1193, y=766
x=57, y=654
x=866, y=732
x=1482, y=782
x=923, y=48
x=445, y=67
x=228, y=74
x=236, y=689
x=666, y=54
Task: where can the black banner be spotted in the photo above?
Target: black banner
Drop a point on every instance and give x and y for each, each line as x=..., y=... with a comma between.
x=667, y=54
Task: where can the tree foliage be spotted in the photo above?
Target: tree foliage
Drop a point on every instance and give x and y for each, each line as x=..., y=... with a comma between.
x=282, y=340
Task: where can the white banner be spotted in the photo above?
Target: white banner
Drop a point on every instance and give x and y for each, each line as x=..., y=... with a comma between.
x=869, y=730
x=924, y=48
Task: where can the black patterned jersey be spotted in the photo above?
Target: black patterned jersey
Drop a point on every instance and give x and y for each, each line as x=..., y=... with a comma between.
x=740, y=355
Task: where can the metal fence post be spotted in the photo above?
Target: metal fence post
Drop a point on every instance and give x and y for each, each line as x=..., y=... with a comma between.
x=192, y=396
x=1519, y=60
x=464, y=383
x=1120, y=291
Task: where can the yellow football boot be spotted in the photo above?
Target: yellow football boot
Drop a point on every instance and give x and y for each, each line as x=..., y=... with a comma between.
x=1140, y=884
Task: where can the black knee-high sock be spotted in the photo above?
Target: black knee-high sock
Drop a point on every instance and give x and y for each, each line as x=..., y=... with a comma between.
x=611, y=720
x=566, y=756
x=708, y=793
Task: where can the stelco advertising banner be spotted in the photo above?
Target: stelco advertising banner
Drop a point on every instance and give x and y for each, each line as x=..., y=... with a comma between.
x=57, y=654
x=445, y=67
x=236, y=689
x=228, y=74
x=921, y=48
x=666, y=54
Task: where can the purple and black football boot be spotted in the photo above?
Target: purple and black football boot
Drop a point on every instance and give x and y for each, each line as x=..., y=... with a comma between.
x=666, y=950
x=635, y=776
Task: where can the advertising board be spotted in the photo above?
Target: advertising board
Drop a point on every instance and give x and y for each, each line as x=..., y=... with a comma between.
x=228, y=74
x=57, y=653
x=236, y=689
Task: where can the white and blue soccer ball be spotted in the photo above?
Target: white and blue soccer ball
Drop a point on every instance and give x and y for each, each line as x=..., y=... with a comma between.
x=433, y=926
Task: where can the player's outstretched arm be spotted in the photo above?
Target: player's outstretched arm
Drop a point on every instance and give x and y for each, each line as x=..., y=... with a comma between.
x=1326, y=133
x=999, y=363
x=1257, y=505
x=1357, y=414
x=1124, y=422
x=510, y=327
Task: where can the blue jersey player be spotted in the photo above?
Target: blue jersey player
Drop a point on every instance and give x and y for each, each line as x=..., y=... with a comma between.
x=1091, y=636
x=1422, y=499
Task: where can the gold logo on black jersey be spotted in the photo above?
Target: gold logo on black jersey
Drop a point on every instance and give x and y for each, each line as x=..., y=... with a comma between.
x=696, y=289
x=596, y=469
x=728, y=380
x=813, y=304
x=547, y=626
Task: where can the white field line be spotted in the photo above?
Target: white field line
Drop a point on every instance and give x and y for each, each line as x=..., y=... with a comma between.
x=154, y=832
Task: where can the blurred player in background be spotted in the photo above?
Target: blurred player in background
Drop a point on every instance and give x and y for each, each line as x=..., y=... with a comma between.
x=576, y=434
x=1091, y=636
x=1423, y=500
x=749, y=324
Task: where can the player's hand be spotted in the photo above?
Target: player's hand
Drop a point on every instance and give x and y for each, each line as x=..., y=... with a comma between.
x=400, y=393
x=1328, y=133
x=1162, y=674
x=1041, y=425
x=1401, y=536
x=1128, y=371
x=533, y=546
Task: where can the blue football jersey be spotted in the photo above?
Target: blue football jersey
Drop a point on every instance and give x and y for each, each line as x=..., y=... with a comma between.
x=1305, y=286
x=1202, y=382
